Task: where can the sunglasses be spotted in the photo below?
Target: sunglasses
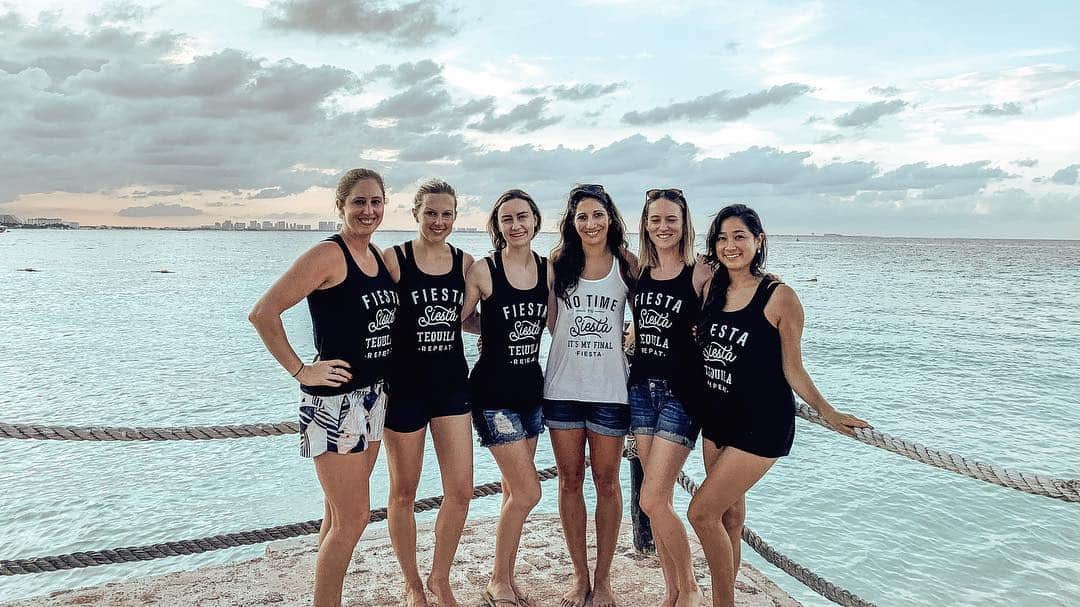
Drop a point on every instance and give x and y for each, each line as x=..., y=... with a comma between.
x=672, y=193
x=591, y=188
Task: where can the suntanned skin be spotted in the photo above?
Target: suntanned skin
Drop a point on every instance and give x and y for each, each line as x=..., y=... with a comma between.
x=344, y=477
x=731, y=472
x=452, y=435
x=662, y=460
x=521, y=485
x=591, y=222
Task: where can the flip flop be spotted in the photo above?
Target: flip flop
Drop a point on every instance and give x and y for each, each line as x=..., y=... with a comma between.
x=491, y=601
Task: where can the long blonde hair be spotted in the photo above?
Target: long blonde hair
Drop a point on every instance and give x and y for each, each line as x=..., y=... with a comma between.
x=647, y=254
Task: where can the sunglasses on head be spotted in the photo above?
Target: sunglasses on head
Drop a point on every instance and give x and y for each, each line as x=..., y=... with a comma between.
x=672, y=193
x=591, y=188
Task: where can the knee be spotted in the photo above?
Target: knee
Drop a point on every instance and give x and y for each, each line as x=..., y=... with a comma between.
x=458, y=498
x=653, y=503
x=350, y=526
x=701, y=516
x=402, y=497
x=524, y=499
x=571, y=482
x=607, y=485
x=734, y=517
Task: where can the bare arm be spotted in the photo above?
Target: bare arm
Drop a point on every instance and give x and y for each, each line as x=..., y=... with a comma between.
x=786, y=312
x=703, y=273
x=553, y=300
x=390, y=260
x=477, y=287
x=320, y=267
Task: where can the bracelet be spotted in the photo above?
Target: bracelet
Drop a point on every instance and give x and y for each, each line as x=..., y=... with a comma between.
x=302, y=365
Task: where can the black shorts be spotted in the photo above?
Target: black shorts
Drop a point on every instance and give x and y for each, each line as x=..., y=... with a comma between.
x=412, y=412
x=765, y=429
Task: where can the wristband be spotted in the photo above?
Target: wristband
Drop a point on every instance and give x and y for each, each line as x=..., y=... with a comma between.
x=302, y=365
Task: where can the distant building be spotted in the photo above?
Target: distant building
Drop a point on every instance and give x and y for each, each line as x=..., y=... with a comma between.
x=226, y=225
x=281, y=225
x=44, y=221
x=327, y=226
x=10, y=220
x=268, y=225
x=71, y=225
x=217, y=225
x=253, y=225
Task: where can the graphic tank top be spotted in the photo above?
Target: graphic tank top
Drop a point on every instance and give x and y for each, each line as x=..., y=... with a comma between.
x=352, y=321
x=586, y=362
x=428, y=352
x=508, y=374
x=666, y=312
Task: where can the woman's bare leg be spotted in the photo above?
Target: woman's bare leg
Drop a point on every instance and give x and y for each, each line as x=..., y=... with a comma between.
x=569, y=448
x=521, y=491
x=605, y=454
x=452, y=436
x=405, y=456
x=735, y=516
x=643, y=443
x=344, y=479
x=728, y=479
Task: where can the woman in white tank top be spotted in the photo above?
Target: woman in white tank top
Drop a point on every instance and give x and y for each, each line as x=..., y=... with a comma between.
x=585, y=397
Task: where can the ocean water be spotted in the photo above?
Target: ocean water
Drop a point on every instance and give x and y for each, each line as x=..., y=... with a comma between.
x=971, y=346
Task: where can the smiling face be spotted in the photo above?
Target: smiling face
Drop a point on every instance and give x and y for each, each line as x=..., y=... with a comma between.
x=363, y=209
x=591, y=222
x=664, y=224
x=517, y=223
x=736, y=245
x=436, y=216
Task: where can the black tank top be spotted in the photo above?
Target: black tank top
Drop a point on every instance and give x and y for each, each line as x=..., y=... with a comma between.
x=352, y=321
x=508, y=374
x=742, y=357
x=428, y=353
x=665, y=315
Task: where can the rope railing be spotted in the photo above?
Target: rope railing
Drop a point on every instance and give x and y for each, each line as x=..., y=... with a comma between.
x=1035, y=484
x=811, y=580
x=79, y=560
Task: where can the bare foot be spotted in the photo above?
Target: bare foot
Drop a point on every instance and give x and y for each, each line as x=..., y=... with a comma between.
x=414, y=597
x=671, y=599
x=499, y=594
x=444, y=594
x=523, y=597
x=577, y=595
x=690, y=598
x=602, y=596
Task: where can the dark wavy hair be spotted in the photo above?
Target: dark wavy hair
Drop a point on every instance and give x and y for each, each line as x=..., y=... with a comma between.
x=568, y=257
x=497, y=239
x=721, y=279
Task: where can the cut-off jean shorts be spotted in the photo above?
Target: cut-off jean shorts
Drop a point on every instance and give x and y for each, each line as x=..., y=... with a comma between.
x=656, y=411
x=503, y=426
x=608, y=419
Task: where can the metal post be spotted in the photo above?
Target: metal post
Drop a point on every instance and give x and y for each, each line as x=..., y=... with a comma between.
x=643, y=537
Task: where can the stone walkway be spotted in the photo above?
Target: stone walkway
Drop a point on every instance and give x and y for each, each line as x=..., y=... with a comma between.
x=283, y=578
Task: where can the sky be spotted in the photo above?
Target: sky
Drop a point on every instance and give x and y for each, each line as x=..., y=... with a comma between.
x=956, y=119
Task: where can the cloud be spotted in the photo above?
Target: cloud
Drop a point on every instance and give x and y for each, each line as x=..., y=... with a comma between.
x=576, y=92
x=152, y=193
x=834, y=138
x=1069, y=175
x=940, y=181
x=160, y=209
x=410, y=24
x=867, y=115
x=1026, y=162
x=885, y=91
x=120, y=13
x=719, y=106
x=1009, y=108
x=524, y=118
x=405, y=74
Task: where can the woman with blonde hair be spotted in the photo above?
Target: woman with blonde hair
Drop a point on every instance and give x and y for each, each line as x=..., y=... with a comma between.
x=665, y=376
x=352, y=301
x=430, y=387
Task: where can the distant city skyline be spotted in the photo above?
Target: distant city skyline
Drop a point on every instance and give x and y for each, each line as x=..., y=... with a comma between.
x=905, y=118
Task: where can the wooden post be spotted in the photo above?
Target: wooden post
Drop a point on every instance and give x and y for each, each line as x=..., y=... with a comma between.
x=643, y=537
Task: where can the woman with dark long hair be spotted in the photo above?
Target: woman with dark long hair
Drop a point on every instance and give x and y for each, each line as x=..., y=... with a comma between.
x=353, y=303
x=750, y=336
x=585, y=397
x=511, y=286
x=665, y=376
x=430, y=386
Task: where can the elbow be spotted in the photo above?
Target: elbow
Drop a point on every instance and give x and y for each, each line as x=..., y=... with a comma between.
x=256, y=315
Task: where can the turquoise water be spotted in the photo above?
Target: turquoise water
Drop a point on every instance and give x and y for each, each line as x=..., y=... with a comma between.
x=970, y=346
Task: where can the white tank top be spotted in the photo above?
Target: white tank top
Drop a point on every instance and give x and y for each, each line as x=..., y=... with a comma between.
x=586, y=362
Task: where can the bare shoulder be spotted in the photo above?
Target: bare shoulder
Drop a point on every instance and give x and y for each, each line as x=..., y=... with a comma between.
x=322, y=252
x=702, y=275
x=478, y=271
x=389, y=257
x=785, y=300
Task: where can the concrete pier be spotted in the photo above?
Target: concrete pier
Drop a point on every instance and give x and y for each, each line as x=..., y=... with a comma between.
x=283, y=577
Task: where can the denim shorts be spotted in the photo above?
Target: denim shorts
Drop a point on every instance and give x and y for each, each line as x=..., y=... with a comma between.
x=608, y=419
x=504, y=426
x=656, y=411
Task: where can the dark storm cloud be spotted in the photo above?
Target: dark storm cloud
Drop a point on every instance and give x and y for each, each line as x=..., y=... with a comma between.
x=409, y=24
x=575, y=92
x=1069, y=175
x=524, y=118
x=869, y=114
x=719, y=106
x=1010, y=108
x=160, y=209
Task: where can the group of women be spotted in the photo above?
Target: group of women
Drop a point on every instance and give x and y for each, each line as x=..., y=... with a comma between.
x=716, y=352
